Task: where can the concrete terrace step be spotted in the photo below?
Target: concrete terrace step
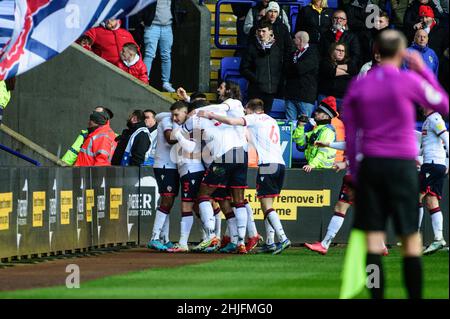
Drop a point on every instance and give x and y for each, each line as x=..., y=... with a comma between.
x=216, y=53
x=225, y=8
x=224, y=31
x=224, y=17
x=224, y=41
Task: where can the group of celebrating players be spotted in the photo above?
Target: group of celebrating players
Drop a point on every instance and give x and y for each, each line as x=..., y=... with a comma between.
x=203, y=149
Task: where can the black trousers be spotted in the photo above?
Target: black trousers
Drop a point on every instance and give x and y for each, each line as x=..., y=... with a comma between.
x=267, y=98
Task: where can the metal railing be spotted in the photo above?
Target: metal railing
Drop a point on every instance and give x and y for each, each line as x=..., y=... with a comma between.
x=19, y=155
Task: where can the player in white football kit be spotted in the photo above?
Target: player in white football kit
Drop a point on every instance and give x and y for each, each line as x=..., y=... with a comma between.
x=433, y=173
x=265, y=135
x=191, y=170
x=229, y=168
x=167, y=178
x=340, y=208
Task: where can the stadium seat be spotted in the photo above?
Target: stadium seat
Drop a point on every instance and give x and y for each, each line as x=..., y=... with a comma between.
x=278, y=109
x=229, y=66
x=297, y=156
x=293, y=17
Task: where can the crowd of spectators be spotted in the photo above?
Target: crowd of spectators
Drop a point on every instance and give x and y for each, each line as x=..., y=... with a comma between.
x=326, y=48
x=117, y=45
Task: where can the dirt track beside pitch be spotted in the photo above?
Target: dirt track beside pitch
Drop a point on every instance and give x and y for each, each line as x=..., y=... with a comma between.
x=53, y=272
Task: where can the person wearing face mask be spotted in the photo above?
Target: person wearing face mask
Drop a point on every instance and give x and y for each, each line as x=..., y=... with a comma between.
x=134, y=143
x=263, y=64
x=131, y=62
x=323, y=131
x=99, y=145
x=108, y=39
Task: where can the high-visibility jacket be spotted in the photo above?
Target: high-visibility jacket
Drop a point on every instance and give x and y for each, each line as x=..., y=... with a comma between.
x=340, y=136
x=71, y=155
x=5, y=95
x=98, y=148
x=317, y=157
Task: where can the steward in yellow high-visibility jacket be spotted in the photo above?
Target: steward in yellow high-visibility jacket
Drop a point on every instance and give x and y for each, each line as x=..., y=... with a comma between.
x=318, y=157
x=71, y=155
x=5, y=96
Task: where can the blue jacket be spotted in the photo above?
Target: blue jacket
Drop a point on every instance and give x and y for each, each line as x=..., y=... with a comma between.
x=429, y=57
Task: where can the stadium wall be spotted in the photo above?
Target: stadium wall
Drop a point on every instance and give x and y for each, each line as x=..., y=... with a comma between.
x=52, y=102
x=44, y=210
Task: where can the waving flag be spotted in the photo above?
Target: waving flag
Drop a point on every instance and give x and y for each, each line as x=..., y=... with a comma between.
x=34, y=31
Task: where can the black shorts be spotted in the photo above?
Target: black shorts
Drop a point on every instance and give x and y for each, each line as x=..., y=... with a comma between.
x=190, y=184
x=432, y=177
x=221, y=194
x=269, y=180
x=344, y=193
x=387, y=188
x=168, y=181
x=228, y=171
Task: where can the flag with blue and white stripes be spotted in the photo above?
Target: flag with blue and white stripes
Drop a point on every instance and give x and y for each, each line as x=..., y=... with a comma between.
x=34, y=31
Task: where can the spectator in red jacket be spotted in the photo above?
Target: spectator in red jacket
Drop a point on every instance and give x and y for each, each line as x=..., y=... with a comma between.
x=98, y=147
x=131, y=62
x=108, y=40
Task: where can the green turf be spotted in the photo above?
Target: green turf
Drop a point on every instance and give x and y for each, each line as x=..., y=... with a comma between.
x=297, y=273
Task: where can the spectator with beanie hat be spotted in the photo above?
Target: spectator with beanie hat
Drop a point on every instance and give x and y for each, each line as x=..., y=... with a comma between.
x=438, y=35
x=412, y=19
x=99, y=145
x=323, y=131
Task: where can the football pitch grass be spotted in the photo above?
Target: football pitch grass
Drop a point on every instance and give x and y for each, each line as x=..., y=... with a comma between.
x=297, y=273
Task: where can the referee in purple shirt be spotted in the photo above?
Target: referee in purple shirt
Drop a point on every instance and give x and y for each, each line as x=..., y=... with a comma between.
x=379, y=116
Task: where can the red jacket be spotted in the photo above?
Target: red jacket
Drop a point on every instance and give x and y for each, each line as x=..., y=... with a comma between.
x=98, y=147
x=108, y=43
x=138, y=70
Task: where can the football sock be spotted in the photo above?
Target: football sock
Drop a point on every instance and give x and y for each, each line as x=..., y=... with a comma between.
x=186, y=224
x=160, y=218
x=412, y=271
x=165, y=231
x=207, y=216
x=270, y=233
x=437, y=222
x=274, y=220
x=251, y=227
x=241, y=221
x=218, y=222
x=420, y=215
x=232, y=227
x=333, y=227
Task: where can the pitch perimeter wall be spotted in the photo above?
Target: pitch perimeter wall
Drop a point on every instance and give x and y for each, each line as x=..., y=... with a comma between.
x=58, y=210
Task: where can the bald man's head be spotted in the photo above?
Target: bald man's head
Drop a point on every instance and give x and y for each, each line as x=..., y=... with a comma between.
x=301, y=39
x=421, y=38
x=390, y=44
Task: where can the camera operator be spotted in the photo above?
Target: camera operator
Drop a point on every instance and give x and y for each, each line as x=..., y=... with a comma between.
x=323, y=131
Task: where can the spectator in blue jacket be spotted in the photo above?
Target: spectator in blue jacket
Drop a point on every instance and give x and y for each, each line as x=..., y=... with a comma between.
x=430, y=57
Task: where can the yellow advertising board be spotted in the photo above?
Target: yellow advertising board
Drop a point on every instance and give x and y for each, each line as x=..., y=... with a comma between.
x=6, y=207
x=66, y=206
x=115, y=200
x=38, y=208
x=289, y=201
x=89, y=204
